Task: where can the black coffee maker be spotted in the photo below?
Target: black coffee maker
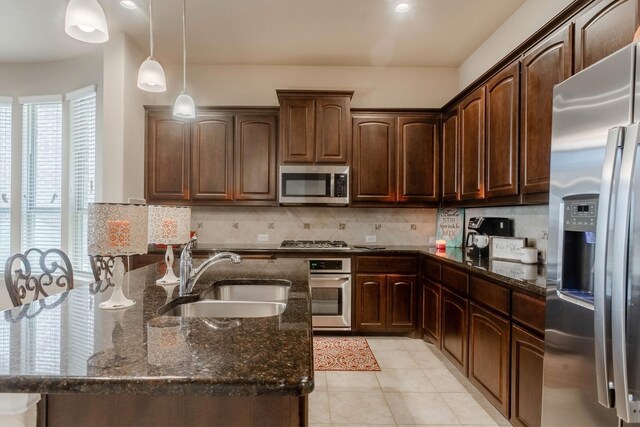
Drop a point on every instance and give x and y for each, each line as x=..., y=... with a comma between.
x=481, y=228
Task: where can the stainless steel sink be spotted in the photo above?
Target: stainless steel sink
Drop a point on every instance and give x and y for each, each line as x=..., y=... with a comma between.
x=275, y=290
x=215, y=308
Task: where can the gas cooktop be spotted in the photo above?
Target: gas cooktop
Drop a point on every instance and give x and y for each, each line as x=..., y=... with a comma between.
x=314, y=244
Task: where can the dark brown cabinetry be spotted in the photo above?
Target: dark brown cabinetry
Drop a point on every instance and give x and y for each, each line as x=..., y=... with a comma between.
x=395, y=158
x=431, y=292
x=212, y=157
x=386, y=302
x=221, y=157
x=546, y=65
x=314, y=126
x=472, y=146
x=603, y=29
x=503, y=102
x=450, y=156
x=455, y=318
x=527, y=353
x=168, y=146
x=489, y=346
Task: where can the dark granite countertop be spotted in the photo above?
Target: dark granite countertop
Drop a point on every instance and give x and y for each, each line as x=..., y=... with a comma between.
x=526, y=277
x=67, y=344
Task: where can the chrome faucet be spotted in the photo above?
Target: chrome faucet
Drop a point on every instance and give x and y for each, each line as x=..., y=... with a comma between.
x=189, y=276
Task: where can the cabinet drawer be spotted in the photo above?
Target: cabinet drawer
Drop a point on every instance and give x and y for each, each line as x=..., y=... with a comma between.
x=528, y=311
x=456, y=280
x=377, y=264
x=431, y=269
x=490, y=294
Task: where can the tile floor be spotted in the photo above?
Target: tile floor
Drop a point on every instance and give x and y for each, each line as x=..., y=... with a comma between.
x=417, y=386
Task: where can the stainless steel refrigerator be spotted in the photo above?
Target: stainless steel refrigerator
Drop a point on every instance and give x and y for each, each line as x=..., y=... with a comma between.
x=592, y=335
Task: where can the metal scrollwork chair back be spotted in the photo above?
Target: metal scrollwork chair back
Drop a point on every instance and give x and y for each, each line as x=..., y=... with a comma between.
x=55, y=271
x=102, y=266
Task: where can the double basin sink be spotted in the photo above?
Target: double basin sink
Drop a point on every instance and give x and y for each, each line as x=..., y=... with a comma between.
x=238, y=298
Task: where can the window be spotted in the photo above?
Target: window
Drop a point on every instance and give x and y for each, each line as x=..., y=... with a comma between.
x=41, y=175
x=5, y=178
x=82, y=138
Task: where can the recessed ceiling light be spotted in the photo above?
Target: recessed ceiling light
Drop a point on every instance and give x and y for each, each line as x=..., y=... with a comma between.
x=402, y=6
x=128, y=4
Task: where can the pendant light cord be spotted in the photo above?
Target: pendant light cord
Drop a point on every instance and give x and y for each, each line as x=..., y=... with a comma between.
x=184, y=46
x=151, y=25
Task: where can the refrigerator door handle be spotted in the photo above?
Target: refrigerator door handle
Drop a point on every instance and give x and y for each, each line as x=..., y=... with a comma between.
x=601, y=318
x=627, y=408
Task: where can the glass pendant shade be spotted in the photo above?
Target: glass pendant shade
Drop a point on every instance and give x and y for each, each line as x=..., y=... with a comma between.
x=184, y=107
x=151, y=76
x=85, y=21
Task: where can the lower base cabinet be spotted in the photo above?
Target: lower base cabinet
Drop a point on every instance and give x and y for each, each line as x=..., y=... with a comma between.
x=455, y=316
x=489, y=347
x=386, y=303
x=431, y=292
x=527, y=353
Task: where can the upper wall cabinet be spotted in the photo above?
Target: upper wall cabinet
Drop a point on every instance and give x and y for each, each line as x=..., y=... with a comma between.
x=546, y=65
x=472, y=145
x=396, y=158
x=450, y=156
x=503, y=102
x=605, y=28
x=314, y=126
x=221, y=157
x=168, y=153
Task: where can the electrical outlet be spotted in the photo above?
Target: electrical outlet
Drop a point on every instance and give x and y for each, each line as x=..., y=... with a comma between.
x=371, y=239
x=199, y=225
x=263, y=237
x=544, y=235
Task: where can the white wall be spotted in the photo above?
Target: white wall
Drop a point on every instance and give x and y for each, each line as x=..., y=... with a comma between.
x=383, y=87
x=525, y=21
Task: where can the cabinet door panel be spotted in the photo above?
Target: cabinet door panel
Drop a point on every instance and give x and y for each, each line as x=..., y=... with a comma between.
x=332, y=130
x=255, y=158
x=605, y=28
x=472, y=160
x=548, y=64
x=527, y=353
x=168, y=158
x=431, y=311
x=212, y=158
x=503, y=102
x=418, y=159
x=297, y=130
x=454, y=326
x=371, y=301
x=450, y=157
x=489, y=356
x=373, y=177
x=401, y=299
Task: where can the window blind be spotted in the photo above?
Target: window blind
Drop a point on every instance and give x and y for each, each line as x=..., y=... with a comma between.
x=41, y=175
x=82, y=112
x=5, y=182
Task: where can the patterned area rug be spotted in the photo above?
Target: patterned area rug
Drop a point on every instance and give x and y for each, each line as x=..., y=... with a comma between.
x=343, y=354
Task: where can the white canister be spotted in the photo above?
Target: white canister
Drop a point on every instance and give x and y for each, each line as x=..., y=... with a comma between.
x=529, y=255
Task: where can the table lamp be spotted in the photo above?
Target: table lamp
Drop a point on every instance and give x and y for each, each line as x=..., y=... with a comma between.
x=117, y=229
x=169, y=225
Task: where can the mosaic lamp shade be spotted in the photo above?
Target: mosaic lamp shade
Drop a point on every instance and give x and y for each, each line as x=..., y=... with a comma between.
x=169, y=225
x=117, y=229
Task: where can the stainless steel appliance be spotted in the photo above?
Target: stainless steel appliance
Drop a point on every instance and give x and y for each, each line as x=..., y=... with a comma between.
x=479, y=231
x=592, y=337
x=330, y=281
x=314, y=245
x=314, y=184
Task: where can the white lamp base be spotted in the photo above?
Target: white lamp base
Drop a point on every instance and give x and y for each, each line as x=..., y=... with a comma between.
x=169, y=277
x=117, y=300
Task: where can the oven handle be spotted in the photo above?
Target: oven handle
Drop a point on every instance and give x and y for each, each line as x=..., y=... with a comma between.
x=331, y=279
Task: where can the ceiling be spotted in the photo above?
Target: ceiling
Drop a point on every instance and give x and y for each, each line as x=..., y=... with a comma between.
x=434, y=33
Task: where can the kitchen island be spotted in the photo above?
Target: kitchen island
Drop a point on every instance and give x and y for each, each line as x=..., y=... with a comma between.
x=136, y=367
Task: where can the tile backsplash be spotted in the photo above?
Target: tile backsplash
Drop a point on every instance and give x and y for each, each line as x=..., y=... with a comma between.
x=244, y=225
x=531, y=222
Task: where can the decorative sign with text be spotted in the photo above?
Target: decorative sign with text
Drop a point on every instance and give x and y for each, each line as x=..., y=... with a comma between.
x=450, y=226
x=507, y=248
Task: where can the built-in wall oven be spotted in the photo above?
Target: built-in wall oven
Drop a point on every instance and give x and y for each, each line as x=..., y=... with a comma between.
x=330, y=281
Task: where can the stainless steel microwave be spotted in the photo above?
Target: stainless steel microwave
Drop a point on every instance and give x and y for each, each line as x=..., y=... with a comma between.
x=314, y=184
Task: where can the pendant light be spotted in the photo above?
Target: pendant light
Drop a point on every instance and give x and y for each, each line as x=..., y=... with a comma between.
x=184, y=107
x=85, y=21
x=151, y=75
